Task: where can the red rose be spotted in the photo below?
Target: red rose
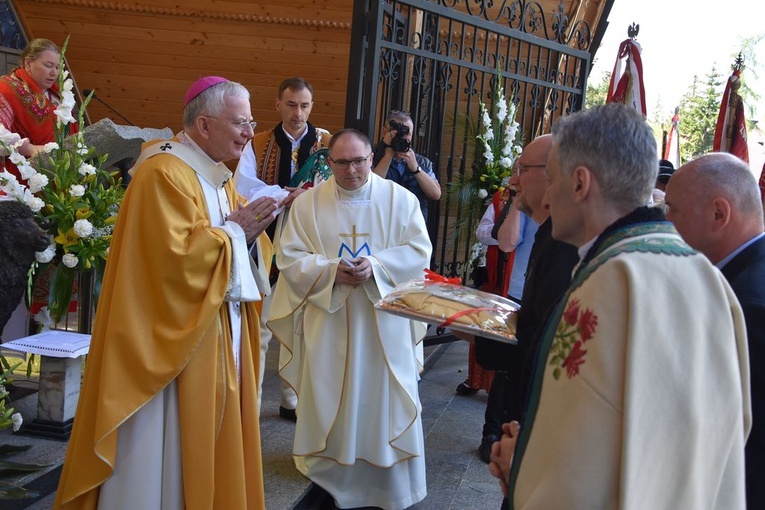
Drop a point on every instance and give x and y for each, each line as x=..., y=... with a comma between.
x=574, y=359
x=587, y=323
x=572, y=310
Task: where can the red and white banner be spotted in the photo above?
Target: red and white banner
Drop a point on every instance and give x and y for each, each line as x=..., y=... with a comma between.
x=628, y=88
x=672, y=150
x=730, y=133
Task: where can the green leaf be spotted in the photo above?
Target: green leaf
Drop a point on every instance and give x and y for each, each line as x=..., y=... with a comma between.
x=556, y=374
x=60, y=295
x=10, y=491
x=7, y=466
x=10, y=449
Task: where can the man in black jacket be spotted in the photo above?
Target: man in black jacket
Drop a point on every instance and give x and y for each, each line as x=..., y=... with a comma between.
x=548, y=275
x=714, y=202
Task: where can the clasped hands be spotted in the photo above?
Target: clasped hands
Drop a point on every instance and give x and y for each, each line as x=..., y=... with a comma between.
x=353, y=271
x=502, y=454
x=255, y=217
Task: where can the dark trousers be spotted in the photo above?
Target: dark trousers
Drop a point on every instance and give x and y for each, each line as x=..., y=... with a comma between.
x=505, y=402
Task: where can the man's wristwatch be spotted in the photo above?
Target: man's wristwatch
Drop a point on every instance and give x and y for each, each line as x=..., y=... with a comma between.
x=416, y=171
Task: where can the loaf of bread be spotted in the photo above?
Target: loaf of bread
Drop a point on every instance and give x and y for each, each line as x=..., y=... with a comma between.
x=454, y=306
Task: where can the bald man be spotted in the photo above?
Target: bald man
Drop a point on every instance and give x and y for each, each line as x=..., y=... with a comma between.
x=714, y=202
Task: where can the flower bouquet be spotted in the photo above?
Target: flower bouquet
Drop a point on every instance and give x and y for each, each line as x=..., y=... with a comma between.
x=498, y=143
x=74, y=199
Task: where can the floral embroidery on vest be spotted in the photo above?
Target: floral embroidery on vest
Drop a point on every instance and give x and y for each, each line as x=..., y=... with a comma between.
x=576, y=328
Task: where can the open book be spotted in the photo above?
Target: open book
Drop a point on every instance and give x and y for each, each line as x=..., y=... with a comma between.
x=53, y=343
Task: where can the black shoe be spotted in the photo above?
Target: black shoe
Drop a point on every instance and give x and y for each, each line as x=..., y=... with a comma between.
x=287, y=414
x=463, y=389
x=484, y=451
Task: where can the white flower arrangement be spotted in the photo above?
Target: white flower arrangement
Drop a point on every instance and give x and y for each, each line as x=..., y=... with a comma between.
x=498, y=143
x=72, y=197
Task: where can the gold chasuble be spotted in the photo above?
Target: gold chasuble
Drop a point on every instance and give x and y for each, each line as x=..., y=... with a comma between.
x=162, y=321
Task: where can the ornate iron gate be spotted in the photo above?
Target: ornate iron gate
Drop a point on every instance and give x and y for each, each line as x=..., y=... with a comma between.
x=439, y=58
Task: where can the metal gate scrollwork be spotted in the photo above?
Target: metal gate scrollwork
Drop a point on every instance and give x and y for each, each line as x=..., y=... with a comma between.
x=437, y=59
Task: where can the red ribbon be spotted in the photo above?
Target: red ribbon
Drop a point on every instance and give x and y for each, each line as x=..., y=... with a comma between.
x=466, y=312
x=432, y=276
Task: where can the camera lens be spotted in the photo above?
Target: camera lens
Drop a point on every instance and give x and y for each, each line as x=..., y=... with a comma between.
x=399, y=144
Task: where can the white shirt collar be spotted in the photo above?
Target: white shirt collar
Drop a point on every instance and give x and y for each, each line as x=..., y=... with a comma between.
x=738, y=250
x=297, y=140
x=582, y=251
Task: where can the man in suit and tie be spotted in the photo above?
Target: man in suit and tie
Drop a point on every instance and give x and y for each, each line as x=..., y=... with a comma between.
x=714, y=202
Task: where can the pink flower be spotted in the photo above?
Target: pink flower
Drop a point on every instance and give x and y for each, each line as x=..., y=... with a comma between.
x=574, y=359
x=572, y=310
x=587, y=323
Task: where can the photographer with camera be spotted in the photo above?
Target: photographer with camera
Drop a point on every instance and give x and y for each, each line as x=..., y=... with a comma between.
x=395, y=160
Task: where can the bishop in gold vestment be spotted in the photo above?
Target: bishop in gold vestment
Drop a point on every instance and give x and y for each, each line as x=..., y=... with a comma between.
x=168, y=413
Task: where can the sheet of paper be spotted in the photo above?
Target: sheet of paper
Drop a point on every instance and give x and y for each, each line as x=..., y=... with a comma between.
x=53, y=343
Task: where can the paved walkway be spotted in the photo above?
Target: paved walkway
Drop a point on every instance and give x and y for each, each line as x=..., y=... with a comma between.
x=457, y=479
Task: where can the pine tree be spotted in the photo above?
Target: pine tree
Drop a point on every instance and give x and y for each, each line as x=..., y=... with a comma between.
x=597, y=94
x=698, y=112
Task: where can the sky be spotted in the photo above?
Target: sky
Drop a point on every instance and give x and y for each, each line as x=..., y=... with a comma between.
x=683, y=38
x=680, y=39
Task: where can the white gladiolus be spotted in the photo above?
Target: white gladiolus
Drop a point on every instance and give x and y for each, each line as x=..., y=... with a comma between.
x=77, y=190
x=44, y=319
x=82, y=149
x=489, y=157
x=83, y=228
x=502, y=110
x=482, y=193
x=17, y=159
x=489, y=134
x=17, y=421
x=64, y=114
x=37, y=182
x=506, y=163
x=64, y=109
x=86, y=169
x=50, y=146
x=486, y=118
x=67, y=97
x=43, y=257
x=68, y=85
x=10, y=185
x=7, y=137
x=70, y=260
x=26, y=171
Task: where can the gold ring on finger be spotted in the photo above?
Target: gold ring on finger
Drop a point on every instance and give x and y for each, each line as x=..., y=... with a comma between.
x=259, y=218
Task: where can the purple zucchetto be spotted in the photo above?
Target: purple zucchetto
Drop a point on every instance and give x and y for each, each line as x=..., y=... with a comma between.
x=200, y=86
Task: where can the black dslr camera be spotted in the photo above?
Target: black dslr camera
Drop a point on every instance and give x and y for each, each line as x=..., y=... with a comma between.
x=399, y=143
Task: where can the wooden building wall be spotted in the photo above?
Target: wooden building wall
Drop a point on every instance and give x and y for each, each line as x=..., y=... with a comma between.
x=141, y=56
